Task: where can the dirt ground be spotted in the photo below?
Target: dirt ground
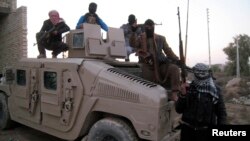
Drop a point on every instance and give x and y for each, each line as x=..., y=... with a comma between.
x=23, y=133
x=238, y=114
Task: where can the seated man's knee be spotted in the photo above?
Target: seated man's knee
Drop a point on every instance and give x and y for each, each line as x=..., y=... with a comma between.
x=173, y=67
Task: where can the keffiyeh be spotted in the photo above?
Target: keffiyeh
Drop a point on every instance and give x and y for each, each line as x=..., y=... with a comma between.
x=204, y=82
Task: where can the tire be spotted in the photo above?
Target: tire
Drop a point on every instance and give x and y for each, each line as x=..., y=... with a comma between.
x=5, y=121
x=111, y=129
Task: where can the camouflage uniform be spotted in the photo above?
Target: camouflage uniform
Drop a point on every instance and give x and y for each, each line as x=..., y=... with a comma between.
x=127, y=28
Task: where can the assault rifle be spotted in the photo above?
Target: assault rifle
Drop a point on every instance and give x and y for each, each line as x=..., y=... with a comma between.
x=184, y=67
x=182, y=58
x=142, y=26
x=44, y=35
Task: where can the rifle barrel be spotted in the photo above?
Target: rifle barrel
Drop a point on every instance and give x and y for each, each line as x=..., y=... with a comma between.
x=182, y=58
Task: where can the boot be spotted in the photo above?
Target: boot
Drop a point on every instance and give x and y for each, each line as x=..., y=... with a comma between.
x=41, y=56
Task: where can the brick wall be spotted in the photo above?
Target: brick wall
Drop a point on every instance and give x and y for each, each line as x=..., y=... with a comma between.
x=7, y=5
x=13, y=36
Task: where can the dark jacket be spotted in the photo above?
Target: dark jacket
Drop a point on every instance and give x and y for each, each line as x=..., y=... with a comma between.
x=60, y=28
x=198, y=109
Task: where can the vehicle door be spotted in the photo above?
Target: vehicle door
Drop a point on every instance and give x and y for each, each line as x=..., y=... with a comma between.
x=61, y=94
x=25, y=98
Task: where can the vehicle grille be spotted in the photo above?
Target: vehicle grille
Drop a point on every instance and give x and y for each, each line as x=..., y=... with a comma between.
x=132, y=77
x=106, y=90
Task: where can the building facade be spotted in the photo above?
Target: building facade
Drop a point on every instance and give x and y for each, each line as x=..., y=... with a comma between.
x=13, y=33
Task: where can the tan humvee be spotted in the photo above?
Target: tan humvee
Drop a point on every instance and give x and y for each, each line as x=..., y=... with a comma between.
x=89, y=94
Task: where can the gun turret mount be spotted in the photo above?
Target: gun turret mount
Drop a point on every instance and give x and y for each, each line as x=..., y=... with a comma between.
x=88, y=43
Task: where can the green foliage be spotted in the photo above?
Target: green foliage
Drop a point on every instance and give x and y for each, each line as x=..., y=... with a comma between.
x=216, y=68
x=230, y=68
x=244, y=54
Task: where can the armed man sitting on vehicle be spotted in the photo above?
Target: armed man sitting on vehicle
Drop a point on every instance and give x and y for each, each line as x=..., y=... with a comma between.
x=50, y=35
x=128, y=29
x=92, y=18
x=155, y=64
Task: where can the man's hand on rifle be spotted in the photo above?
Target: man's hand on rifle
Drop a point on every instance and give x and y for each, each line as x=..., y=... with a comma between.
x=146, y=56
x=184, y=87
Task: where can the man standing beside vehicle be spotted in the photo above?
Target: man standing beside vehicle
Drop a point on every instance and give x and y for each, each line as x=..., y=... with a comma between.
x=201, y=105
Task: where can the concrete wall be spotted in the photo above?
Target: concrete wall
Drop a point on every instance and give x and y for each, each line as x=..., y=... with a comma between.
x=13, y=36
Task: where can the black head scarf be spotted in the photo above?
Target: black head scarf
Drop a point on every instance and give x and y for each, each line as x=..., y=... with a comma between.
x=92, y=7
x=149, y=28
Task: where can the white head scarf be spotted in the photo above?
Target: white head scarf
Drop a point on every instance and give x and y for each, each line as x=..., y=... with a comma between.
x=54, y=17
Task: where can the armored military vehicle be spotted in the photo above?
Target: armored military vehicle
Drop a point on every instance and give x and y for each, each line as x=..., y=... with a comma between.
x=89, y=94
